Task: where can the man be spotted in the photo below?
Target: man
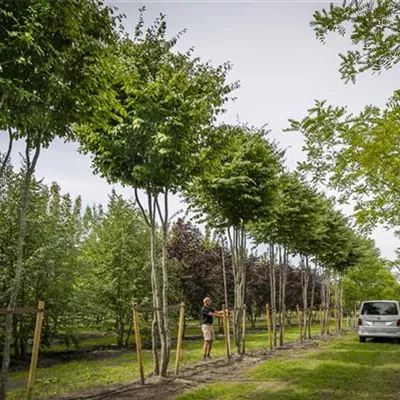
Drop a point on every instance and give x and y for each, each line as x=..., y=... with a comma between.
x=206, y=318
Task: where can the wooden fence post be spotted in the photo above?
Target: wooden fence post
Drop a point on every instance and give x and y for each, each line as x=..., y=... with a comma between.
x=268, y=325
x=35, y=350
x=180, y=337
x=138, y=343
x=299, y=320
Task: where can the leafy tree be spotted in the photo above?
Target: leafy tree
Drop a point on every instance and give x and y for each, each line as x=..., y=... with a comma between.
x=115, y=264
x=169, y=100
x=358, y=154
x=238, y=187
x=50, y=256
x=55, y=70
x=370, y=278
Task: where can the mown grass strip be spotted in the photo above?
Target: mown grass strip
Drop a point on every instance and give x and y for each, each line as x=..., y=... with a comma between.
x=342, y=370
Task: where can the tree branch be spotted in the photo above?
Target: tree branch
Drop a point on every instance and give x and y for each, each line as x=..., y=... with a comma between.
x=159, y=211
x=7, y=156
x=141, y=207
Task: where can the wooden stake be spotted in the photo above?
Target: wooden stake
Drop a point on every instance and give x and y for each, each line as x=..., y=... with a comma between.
x=180, y=337
x=299, y=319
x=335, y=316
x=226, y=331
x=268, y=325
x=355, y=316
x=35, y=350
x=321, y=320
x=138, y=343
x=244, y=330
x=228, y=337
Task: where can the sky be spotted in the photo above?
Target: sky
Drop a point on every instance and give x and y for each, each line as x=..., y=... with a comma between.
x=281, y=66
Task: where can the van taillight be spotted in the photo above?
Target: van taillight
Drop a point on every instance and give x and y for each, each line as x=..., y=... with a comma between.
x=360, y=321
x=398, y=322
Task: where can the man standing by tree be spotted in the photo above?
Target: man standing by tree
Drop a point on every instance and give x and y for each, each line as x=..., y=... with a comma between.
x=206, y=318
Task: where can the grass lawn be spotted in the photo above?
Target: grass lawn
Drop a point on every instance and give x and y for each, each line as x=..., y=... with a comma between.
x=342, y=369
x=120, y=368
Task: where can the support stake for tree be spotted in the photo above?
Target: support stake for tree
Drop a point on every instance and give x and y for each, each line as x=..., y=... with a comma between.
x=180, y=337
x=226, y=330
x=321, y=321
x=244, y=330
x=138, y=342
x=355, y=316
x=299, y=319
x=35, y=350
x=335, y=316
x=267, y=314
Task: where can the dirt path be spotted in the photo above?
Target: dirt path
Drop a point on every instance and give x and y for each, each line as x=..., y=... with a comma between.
x=218, y=370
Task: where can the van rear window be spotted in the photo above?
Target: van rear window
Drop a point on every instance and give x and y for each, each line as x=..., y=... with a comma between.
x=380, y=308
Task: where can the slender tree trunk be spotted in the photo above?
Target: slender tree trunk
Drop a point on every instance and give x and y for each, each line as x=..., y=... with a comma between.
x=130, y=329
x=283, y=299
x=157, y=296
x=313, y=282
x=16, y=283
x=305, y=277
x=272, y=279
x=151, y=223
x=327, y=279
x=340, y=302
x=228, y=337
x=323, y=304
x=238, y=246
x=166, y=349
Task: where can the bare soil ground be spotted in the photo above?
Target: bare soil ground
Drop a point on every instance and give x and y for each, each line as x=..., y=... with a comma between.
x=218, y=370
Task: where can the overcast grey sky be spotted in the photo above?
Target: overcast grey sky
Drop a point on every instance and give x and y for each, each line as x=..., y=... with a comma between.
x=282, y=68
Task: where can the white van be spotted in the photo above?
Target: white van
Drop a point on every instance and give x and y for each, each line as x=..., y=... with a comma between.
x=379, y=318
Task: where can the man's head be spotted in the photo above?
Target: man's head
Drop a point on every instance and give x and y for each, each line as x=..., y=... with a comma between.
x=207, y=301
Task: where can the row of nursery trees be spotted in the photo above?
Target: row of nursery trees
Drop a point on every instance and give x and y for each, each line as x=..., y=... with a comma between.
x=147, y=114
x=90, y=264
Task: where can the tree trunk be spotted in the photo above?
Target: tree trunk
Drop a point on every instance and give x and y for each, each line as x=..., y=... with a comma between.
x=166, y=341
x=228, y=336
x=272, y=280
x=323, y=303
x=15, y=286
x=238, y=246
x=157, y=295
x=313, y=282
x=130, y=329
x=340, y=302
x=283, y=298
x=305, y=277
x=327, y=301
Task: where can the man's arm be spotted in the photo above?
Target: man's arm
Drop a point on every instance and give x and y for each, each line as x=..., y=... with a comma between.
x=218, y=314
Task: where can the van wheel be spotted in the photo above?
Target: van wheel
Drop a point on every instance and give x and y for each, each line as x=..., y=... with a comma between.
x=362, y=339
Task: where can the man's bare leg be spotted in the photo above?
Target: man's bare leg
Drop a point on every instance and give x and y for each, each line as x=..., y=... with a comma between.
x=206, y=347
x=210, y=342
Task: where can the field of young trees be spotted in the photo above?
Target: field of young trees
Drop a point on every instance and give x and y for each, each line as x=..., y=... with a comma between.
x=149, y=116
